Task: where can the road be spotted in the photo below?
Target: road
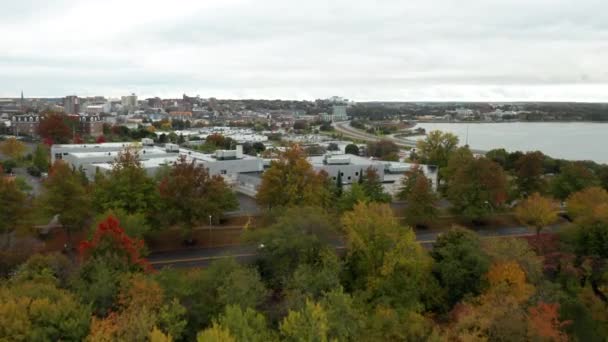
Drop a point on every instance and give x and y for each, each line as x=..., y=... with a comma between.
x=246, y=253
x=347, y=130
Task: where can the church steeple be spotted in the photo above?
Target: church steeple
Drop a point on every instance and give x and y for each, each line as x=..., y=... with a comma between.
x=22, y=102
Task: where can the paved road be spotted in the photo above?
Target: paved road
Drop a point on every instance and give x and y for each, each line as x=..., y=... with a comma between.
x=347, y=130
x=202, y=257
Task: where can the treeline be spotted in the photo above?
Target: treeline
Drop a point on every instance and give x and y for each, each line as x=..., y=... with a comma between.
x=380, y=285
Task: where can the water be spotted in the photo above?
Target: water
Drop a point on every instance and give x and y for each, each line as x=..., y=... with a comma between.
x=572, y=141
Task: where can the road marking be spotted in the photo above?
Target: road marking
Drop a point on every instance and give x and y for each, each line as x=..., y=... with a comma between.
x=216, y=257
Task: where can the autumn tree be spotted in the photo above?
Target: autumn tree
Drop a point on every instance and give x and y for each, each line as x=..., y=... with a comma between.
x=384, y=258
x=537, y=212
x=545, y=323
x=511, y=249
x=39, y=311
x=587, y=203
x=291, y=181
x=55, y=128
x=420, y=199
x=529, y=172
x=245, y=324
x=190, y=196
x=460, y=263
x=477, y=188
x=436, y=148
x=12, y=209
x=572, y=178
x=12, y=148
x=66, y=196
x=127, y=186
x=384, y=150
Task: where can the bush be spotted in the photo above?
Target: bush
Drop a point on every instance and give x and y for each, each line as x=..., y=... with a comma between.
x=8, y=165
x=34, y=171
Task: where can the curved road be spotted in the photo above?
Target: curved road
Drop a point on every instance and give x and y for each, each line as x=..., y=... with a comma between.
x=347, y=130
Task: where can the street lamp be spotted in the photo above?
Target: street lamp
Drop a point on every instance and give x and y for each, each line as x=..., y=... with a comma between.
x=210, y=230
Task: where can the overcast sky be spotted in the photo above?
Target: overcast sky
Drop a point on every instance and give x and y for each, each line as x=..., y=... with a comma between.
x=409, y=50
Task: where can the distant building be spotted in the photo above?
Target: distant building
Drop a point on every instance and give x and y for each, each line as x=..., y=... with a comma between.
x=130, y=101
x=91, y=125
x=25, y=124
x=339, y=113
x=180, y=115
x=71, y=104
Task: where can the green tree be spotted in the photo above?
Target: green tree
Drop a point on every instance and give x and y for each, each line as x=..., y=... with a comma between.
x=417, y=191
x=372, y=187
x=573, y=177
x=436, y=148
x=460, y=263
x=477, y=188
x=12, y=209
x=352, y=149
x=245, y=325
x=344, y=317
x=309, y=324
x=40, y=158
x=126, y=187
x=291, y=181
x=66, y=196
x=297, y=237
x=384, y=150
x=190, y=195
x=215, y=333
x=351, y=197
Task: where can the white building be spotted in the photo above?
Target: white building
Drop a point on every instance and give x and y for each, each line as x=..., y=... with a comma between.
x=94, y=158
x=129, y=101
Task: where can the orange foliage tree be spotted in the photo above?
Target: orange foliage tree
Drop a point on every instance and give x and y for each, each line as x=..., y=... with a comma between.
x=544, y=322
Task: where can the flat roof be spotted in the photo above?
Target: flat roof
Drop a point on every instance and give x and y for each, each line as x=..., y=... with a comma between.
x=354, y=160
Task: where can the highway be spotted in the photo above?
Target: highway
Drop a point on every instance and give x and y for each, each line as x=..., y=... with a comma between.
x=201, y=257
x=347, y=130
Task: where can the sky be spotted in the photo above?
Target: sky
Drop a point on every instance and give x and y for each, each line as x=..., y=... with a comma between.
x=399, y=50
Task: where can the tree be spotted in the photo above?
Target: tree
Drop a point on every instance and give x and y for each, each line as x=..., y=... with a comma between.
x=477, y=188
x=40, y=158
x=291, y=181
x=372, y=187
x=587, y=203
x=351, y=197
x=517, y=250
x=39, y=311
x=384, y=150
x=100, y=139
x=12, y=208
x=126, y=187
x=55, y=128
x=245, y=325
x=352, y=149
x=529, y=172
x=421, y=201
x=110, y=239
x=573, y=177
x=384, y=258
x=460, y=263
x=215, y=333
x=436, y=148
x=297, y=237
x=12, y=148
x=308, y=324
x=66, y=196
x=537, y=212
x=190, y=195
x=545, y=322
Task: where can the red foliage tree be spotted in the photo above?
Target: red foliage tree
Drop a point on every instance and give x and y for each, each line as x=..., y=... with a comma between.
x=78, y=139
x=110, y=238
x=54, y=126
x=100, y=139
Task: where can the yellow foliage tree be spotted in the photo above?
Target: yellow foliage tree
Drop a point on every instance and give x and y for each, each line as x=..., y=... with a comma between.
x=537, y=212
x=215, y=334
x=12, y=148
x=588, y=203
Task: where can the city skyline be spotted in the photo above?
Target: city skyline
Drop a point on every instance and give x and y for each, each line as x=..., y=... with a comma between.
x=436, y=50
